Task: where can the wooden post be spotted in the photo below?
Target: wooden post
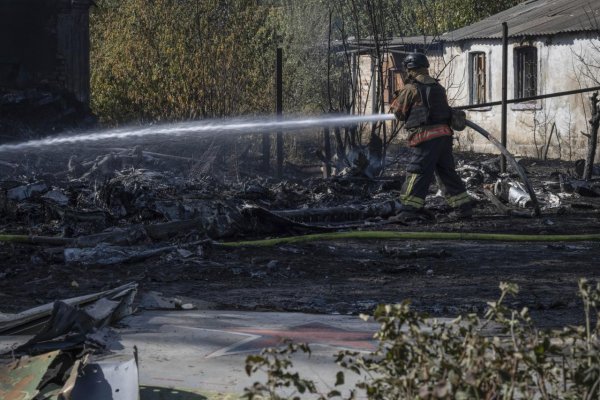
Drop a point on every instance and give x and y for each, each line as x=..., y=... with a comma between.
x=592, y=137
x=503, y=135
x=279, y=108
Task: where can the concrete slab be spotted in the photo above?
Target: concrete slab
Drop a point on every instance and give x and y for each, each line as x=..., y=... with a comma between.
x=201, y=354
x=205, y=351
x=187, y=353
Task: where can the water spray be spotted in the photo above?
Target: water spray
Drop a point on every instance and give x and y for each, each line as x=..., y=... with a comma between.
x=208, y=127
x=247, y=126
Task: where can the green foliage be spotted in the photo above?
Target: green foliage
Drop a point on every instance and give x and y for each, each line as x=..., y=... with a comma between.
x=421, y=358
x=304, y=28
x=181, y=59
x=316, y=35
x=191, y=59
x=434, y=17
x=276, y=364
x=387, y=18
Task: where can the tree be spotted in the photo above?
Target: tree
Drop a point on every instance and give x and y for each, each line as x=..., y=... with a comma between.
x=190, y=59
x=181, y=59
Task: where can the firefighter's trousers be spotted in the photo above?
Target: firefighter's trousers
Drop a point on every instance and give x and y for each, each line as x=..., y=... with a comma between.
x=430, y=158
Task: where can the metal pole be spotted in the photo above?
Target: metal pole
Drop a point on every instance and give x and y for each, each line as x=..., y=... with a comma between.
x=592, y=138
x=279, y=108
x=504, y=92
x=532, y=98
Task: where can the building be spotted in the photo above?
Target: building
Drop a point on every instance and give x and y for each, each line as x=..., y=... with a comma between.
x=554, y=46
x=45, y=44
x=376, y=89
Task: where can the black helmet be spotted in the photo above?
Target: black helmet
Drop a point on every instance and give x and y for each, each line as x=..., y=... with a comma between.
x=416, y=60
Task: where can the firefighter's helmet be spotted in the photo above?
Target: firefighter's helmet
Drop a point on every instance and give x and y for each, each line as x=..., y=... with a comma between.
x=416, y=60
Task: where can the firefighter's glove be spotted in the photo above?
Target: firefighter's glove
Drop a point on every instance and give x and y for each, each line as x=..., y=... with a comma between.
x=395, y=107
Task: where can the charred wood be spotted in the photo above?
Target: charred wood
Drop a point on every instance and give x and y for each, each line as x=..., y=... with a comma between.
x=496, y=201
x=341, y=214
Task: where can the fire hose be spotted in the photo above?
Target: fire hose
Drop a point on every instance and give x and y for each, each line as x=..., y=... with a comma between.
x=351, y=235
x=395, y=235
x=509, y=157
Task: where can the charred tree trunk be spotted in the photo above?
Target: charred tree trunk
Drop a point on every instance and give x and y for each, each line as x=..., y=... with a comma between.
x=592, y=137
x=327, y=145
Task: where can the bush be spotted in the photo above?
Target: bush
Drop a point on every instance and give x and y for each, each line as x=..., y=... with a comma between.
x=421, y=358
x=181, y=59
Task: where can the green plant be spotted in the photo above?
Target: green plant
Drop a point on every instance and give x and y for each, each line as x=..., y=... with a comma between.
x=501, y=356
x=276, y=364
x=168, y=60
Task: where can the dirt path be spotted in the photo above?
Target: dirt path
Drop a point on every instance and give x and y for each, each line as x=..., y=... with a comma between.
x=441, y=278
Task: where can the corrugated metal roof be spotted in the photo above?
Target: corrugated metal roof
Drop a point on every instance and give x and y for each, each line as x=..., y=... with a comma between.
x=420, y=40
x=534, y=18
x=392, y=42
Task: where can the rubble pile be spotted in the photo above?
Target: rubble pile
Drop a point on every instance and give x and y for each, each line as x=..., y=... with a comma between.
x=555, y=190
x=77, y=222
x=115, y=205
x=71, y=354
x=129, y=204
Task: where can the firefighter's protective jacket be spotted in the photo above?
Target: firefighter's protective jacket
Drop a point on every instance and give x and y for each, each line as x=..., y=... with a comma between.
x=409, y=106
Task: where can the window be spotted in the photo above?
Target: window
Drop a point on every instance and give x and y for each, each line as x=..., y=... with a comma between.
x=526, y=72
x=477, y=78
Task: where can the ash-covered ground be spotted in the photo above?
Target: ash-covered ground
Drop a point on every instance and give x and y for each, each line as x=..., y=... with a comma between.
x=102, y=215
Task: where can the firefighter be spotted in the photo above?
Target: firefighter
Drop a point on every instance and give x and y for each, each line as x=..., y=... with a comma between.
x=423, y=107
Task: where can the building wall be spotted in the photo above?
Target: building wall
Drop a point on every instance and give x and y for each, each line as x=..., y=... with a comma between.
x=45, y=43
x=74, y=48
x=561, y=67
x=367, y=81
x=27, y=43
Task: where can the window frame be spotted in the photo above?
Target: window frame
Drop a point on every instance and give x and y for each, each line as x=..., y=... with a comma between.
x=526, y=66
x=474, y=95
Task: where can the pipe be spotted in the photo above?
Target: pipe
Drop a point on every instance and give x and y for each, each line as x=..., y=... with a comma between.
x=526, y=99
x=512, y=161
x=386, y=235
x=504, y=93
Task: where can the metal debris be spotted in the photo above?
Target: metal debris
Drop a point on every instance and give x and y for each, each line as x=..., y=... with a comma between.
x=113, y=377
x=23, y=379
x=57, y=197
x=26, y=191
x=33, y=320
x=513, y=193
x=104, y=254
x=57, y=362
